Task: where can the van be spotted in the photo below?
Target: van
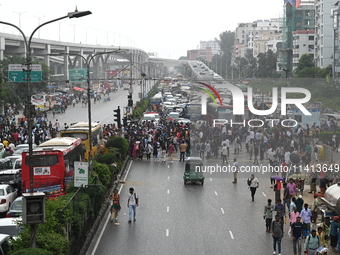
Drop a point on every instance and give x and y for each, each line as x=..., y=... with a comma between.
x=149, y=118
x=5, y=245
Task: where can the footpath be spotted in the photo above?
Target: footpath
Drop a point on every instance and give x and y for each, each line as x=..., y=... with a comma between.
x=309, y=197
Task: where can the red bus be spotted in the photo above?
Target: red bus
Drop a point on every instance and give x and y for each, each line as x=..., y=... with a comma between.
x=53, y=165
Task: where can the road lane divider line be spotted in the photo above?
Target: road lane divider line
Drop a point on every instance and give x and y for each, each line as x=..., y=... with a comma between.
x=167, y=232
x=222, y=210
x=168, y=191
x=108, y=216
x=231, y=235
x=210, y=179
x=215, y=193
x=167, y=209
x=168, y=177
x=264, y=194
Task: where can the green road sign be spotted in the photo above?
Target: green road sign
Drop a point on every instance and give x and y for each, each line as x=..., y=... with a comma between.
x=77, y=74
x=18, y=73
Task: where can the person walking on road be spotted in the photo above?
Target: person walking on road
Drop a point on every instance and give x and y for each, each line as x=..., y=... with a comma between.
x=280, y=209
x=235, y=170
x=115, y=208
x=182, y=150
x=132, y=204
x=334, y=232
x=312, y=243
x=254, y=184
x=224, y=153
x=268, y=214
x=297, y=232
x=306, y=216
x=277, y=233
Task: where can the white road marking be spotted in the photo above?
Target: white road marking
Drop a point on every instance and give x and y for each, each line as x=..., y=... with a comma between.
x=167, y=209
x=264, y=194
x=168, y=166
x=222, y=210
x=108, y=217
x=210, y=179
x=231, y=235
x=168, y=177
x=168, y=191
x=167, y=232
x=215, y=193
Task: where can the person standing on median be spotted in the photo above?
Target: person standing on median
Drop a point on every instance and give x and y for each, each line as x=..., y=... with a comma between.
x=132, y=204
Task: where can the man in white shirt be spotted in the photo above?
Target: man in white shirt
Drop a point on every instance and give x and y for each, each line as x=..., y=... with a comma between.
x=226, y=142
x=254, y=184
x=132, y=204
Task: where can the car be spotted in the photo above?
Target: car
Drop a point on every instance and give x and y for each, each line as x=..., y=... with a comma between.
x=156, y=115
x=11, y=177
x=24, y=145
x=16, y=208
x=5, y=244
x=183, y=120
x=11, y=226
x=15, y=161
x=173, y=116
x=5, y=163
x=149, y=118
x=19, y=152
x=7, y=196
x=202, y=73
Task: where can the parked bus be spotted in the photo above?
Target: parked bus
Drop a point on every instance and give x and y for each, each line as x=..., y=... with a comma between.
x=53, y=165
x=81, y=130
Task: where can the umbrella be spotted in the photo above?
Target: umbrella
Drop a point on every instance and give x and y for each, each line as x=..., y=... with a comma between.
x=278, y=178
x=295, y=158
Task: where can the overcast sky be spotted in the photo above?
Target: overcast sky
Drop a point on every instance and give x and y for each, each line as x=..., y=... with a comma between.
x=169, y=28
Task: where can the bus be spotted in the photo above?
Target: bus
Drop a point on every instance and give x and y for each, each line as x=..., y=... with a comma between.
x=43, y=100
x=225, y=111
x=156, y=99
x=81, y=130
x=167, y=80
x=180, y=77
x=53, y=165
x=192, y=111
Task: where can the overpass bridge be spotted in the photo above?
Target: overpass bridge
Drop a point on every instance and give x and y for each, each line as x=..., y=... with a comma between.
x=63, y=56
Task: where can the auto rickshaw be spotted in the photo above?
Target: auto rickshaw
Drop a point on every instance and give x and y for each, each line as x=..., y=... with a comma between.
x=57, y=108
x=193, y=170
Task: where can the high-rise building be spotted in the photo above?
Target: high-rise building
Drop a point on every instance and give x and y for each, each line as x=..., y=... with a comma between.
x=213, y=44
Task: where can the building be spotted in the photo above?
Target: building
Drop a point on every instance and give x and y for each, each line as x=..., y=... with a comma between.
x=336, y=45
x=200, y=53
x=214, y=45
x=323, y=55
x=295, y=19
x=303, y=43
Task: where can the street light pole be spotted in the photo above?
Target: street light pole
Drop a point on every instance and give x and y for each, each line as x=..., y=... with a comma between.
x=28, y=106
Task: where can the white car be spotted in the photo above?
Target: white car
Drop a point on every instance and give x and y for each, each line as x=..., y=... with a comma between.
x=183, y=120
x=7, y=196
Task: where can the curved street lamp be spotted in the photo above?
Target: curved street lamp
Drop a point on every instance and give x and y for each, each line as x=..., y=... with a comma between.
x=28, y=106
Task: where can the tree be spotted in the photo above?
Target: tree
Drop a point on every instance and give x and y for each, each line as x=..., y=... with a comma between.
x=305, y=67
x=226, y=42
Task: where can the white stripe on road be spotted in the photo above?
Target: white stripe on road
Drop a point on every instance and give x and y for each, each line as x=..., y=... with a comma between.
x=108, y=217
x=167, y=209
x=167, y=232
x=210, y=179
x=168, y=177
x=222, y=210
x=231, y=235
x=215, y=193
x=264, y=194
x=168, y=191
